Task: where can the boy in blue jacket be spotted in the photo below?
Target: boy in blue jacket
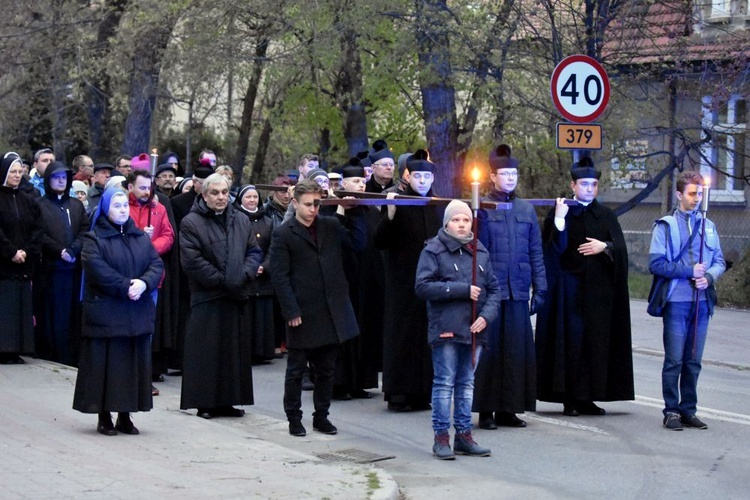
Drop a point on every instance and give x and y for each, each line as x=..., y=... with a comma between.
x=444, y=280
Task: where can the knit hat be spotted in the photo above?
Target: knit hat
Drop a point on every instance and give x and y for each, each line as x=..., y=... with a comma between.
x=203, y=171
x=164, y=167
x=316, y=172
x=500, y=157
x=115, y=181
x=456, y=207
x=584, y=169
x=141, y=162
x=80, y=186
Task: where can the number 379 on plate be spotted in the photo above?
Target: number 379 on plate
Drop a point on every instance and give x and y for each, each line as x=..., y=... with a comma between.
x=579, y=136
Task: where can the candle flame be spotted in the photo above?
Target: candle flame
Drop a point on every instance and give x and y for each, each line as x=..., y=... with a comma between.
x=153, y=151
x=707, y=182
x=475, y=174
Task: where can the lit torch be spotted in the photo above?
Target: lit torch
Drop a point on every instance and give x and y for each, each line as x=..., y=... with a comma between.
x=154, y=161
x=706, y=189
x=475, y=230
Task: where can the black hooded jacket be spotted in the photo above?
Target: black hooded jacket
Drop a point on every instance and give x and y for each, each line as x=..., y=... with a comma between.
x=21, y=227
x=65, y=222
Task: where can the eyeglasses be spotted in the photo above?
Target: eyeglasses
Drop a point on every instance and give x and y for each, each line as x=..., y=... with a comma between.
x=508, y=174
x=384, y=165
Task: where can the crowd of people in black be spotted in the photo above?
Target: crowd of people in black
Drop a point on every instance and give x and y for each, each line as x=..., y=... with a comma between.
x=132, y=271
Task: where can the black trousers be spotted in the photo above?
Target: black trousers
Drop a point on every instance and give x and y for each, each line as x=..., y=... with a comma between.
x=324, y=360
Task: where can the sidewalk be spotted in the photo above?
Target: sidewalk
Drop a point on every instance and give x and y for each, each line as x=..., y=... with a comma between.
x=49, y=450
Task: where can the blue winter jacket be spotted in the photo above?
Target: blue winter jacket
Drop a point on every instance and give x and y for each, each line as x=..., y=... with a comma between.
x=443, y=280
x=514, y=242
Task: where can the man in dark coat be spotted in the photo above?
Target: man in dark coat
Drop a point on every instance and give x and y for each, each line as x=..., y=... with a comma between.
x=56, y=295
x=583, y=343
x=308, y=275
x=220, y=257
x=402, y=232
x=505, y=382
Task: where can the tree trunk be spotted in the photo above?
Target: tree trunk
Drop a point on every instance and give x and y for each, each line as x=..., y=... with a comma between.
x=350, y=93
x=144, y=85
x=438, y=94
x=248, y=107
x=261, y=151
x=98, y=92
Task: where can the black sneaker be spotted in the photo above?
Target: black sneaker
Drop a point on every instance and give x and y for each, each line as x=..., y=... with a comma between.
x=324, y=425
x=693, y=422
x=672, y=422
x=296, y=428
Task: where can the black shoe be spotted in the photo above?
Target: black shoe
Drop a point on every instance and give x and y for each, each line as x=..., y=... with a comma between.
x=324, y=425
x=296, y=428
x=589, y=408
x=672, y=422
x=157, y=378
x=228, y=411
x=421, y=406
x=11, y=359
x=341, y=396
x=205, y=413
x=361, y=394
x=571, y=411
x=154, y=390
x=508, y=420
x=399, y=407
x=125, y=425
x=486, y=421
x=105, y=425
x=693, y=422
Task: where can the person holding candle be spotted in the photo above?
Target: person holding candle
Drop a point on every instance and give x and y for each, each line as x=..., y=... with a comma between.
x=506, y=375
x=448, y=281
x=691, y=298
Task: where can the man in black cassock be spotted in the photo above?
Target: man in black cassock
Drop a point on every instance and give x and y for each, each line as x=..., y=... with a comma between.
x=583, y=330
x=401, y=233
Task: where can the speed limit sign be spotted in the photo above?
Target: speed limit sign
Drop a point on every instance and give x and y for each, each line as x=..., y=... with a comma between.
x=580, y=88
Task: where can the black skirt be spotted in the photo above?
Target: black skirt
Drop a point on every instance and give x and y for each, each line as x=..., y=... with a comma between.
x=114, y=374
x=217, y=364
x=17, y=332
x=505, y=379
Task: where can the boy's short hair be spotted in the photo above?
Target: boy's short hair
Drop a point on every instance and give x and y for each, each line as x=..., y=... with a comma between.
x=308, y=186
x=688, y=177
x=307, y=157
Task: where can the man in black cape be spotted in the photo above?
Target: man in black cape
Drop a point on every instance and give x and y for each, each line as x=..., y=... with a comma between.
x=583, y=342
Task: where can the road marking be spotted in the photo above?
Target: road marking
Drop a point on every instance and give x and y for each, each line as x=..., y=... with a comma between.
x=724, y=416
x=570, y=425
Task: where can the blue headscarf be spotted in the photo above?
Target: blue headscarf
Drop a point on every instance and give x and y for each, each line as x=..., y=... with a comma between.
x=103, y=208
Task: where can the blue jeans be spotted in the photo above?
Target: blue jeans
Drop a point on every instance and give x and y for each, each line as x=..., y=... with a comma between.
x=453, y=379
x=683, y=351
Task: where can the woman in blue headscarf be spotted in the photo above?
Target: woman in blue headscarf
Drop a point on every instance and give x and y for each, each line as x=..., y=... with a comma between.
x=121, y=269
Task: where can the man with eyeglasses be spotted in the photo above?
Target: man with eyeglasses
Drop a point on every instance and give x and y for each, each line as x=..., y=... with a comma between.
x=401, y=233
x=42, y=159
x=382, y=169
x=123, y=165
x=505, y=380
